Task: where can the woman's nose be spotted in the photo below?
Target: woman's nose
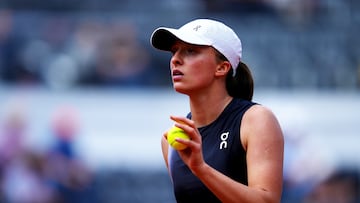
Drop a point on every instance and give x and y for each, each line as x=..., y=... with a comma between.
x=175, y=59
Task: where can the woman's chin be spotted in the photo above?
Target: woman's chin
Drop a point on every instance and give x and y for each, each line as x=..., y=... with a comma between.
x=180, y=89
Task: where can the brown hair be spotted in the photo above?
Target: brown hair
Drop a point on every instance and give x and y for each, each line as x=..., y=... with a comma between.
x=242, y=84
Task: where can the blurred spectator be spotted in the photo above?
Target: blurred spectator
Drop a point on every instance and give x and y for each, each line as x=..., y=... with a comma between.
x=342, y=186
x=70, y=177
x=12, y=137
x=304, y=165
x=21, y=170
x=83, y=46
x=121, y=59
x=24, y=180
x=296, y=12
x=11, y=70
x=56, y=31
x=58, y=70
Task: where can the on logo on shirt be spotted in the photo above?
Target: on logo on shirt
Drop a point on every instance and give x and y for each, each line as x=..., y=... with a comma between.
x=223, y=143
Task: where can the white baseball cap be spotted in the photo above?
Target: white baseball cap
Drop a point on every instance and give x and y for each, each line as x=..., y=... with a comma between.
x=202, y=32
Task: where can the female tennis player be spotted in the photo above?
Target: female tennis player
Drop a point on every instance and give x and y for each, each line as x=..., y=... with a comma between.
x=235, y=153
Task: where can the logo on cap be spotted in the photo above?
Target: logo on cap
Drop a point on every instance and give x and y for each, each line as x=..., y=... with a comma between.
x=197, y=28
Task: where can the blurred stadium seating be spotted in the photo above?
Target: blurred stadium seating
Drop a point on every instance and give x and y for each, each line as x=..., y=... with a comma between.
x=318, y=49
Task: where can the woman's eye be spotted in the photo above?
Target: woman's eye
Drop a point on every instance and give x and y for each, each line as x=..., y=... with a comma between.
x=185, y=50
x=190, y=51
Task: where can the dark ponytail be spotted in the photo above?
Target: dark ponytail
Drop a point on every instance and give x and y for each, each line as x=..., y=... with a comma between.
x=242, y=85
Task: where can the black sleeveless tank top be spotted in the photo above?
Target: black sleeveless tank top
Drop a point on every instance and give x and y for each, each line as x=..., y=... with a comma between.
x=222, y=150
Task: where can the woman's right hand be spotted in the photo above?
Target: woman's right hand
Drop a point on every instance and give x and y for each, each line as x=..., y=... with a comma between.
x=192, y=155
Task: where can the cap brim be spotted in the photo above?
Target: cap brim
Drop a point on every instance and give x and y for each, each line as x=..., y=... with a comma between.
x=163, y=38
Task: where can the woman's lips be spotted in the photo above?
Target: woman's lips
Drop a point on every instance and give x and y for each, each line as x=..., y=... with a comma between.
x=177, y=75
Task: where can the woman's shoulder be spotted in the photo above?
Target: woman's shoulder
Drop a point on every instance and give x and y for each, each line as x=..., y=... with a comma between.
x=258, y=111
x=260, y=121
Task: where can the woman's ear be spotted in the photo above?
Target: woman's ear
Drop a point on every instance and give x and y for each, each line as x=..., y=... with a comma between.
x=223, y=68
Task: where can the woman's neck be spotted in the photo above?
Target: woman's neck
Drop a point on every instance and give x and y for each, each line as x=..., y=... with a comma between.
x=205, y=109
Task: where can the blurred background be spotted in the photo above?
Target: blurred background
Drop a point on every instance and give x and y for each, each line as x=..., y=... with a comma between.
x=84, y=98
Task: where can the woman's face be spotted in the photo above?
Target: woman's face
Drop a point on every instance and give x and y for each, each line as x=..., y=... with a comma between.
x=192, y=67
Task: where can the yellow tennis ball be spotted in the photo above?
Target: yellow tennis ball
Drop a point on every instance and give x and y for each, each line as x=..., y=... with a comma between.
x=174, y=133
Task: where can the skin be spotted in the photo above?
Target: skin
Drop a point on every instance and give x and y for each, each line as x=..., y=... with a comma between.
x=202, y=78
